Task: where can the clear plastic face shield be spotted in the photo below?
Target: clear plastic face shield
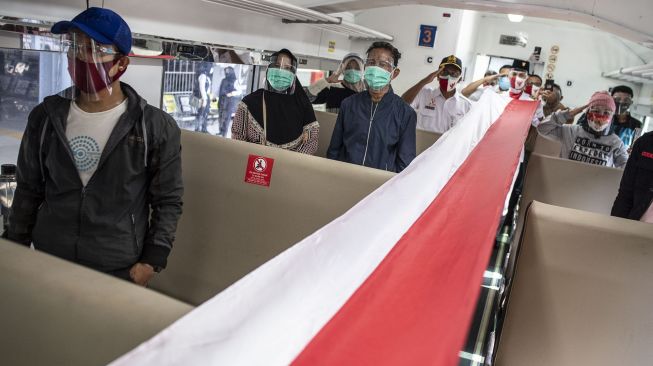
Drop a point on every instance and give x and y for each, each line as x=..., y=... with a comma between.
x=449, y=78
x=518, y=79
x=623, y=102
x=378, y=71
x=281, y=73
x=93, y=67
x=599, y=118
x=352, y=70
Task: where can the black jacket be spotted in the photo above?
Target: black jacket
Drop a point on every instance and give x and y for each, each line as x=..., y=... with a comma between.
x=636, y=189
x=386, y=142
x=106, y=225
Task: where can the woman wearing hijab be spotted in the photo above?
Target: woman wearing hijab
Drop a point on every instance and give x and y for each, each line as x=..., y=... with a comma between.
x=229, y=94
x=279, y=115
x=333, y=91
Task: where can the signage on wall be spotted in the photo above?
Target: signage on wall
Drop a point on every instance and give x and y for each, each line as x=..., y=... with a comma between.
x=427, y=35
x=259, y=170
x=518, y=40
x=553, y=59
x=332, y=47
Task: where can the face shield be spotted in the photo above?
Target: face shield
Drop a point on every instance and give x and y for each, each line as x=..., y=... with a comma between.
x=378, y=73
x=280, y=76
x=623, y=104
x=352, y=70
x=449, y=78
x=599, y=119
x=93, y=67
x=518, y=79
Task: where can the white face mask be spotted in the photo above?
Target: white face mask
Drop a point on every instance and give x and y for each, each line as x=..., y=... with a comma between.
x=597, y=126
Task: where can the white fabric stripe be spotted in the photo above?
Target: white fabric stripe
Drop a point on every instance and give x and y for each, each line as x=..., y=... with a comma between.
x=269, y=316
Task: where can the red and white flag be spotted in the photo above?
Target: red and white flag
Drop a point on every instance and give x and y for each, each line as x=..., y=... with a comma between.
x=393, y=281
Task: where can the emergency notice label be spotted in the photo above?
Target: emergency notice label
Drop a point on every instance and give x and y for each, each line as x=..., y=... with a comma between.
x=259, y=170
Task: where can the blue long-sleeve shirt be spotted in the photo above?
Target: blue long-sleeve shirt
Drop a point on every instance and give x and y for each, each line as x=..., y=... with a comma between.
x=386, y=141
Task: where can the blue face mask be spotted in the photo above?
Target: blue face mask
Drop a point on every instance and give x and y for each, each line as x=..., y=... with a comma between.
x=353, y=76
x=376, y=77
x=504, y=83
x=280, y=79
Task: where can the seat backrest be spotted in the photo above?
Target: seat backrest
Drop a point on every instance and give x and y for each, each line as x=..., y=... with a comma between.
x=582, y=291
x=327, y=123
x=54, y=312
x=571, y=184
x=424, y=140
x=230, y=227
x=547, y=147
x=565, y=183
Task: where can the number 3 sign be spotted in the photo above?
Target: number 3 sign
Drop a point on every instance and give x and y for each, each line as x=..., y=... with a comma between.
x=427, y=35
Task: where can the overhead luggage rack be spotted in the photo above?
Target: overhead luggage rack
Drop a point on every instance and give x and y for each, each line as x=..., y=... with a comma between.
x=637, y=74
x=290, y=13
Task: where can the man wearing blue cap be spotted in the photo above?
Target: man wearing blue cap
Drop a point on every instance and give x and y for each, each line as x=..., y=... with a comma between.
x=99, y=170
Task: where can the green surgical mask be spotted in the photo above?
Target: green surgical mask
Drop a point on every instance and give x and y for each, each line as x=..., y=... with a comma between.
x=353, y=76
x=280, y=79
x=376, y=77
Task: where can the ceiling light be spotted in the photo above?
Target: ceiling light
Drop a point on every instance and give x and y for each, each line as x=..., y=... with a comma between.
x=516, y=18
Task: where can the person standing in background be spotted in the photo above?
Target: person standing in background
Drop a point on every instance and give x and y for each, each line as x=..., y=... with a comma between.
x=376, y=128
x=438, y=109
x=202, y=96
x=279, y=115
x=332, y=90
x=229, y=97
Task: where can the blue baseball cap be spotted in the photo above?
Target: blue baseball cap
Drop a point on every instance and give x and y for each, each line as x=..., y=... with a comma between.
x=102, y=25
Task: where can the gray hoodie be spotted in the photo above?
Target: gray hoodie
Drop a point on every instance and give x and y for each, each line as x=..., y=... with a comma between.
x=581, y=145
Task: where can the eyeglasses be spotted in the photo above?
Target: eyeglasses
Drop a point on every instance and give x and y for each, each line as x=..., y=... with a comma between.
x=85, y=49
x=386, y=65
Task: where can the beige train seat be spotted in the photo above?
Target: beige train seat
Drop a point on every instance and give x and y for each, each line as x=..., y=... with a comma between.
x=565, y=183
x=547, y=147
x=424, y=139
x=582, y=292
x=327, y=123
x=230, y=227
x=570, y=184
x=55, y=312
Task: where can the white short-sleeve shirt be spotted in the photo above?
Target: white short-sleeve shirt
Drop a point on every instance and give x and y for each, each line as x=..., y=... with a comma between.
x=437, y=114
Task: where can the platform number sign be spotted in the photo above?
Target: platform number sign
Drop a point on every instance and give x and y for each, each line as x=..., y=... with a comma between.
x=427, y=35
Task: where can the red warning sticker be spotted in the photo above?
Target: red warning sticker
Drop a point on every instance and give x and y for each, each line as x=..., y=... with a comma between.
x=259, y=170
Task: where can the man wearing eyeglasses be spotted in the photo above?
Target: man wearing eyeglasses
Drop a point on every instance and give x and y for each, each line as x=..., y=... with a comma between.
x=376, y=128
x=439, y=108
x=99, y=170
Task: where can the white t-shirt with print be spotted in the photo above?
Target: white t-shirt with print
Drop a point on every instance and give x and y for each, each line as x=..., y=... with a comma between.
x=88, y=133
x=437, y=114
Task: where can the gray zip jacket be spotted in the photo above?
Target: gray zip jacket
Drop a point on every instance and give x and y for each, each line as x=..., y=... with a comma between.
x=581, y=145
x=128, y=211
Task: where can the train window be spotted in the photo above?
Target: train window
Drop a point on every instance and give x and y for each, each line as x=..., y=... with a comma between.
x=26, y=78
x=203, y=96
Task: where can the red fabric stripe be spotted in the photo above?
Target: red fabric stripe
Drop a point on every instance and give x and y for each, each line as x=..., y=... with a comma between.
x=416, y=307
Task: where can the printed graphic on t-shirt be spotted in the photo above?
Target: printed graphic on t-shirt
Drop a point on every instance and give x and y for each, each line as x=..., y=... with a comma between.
x=589, y=151
x=86, y=152
x=627, y=135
